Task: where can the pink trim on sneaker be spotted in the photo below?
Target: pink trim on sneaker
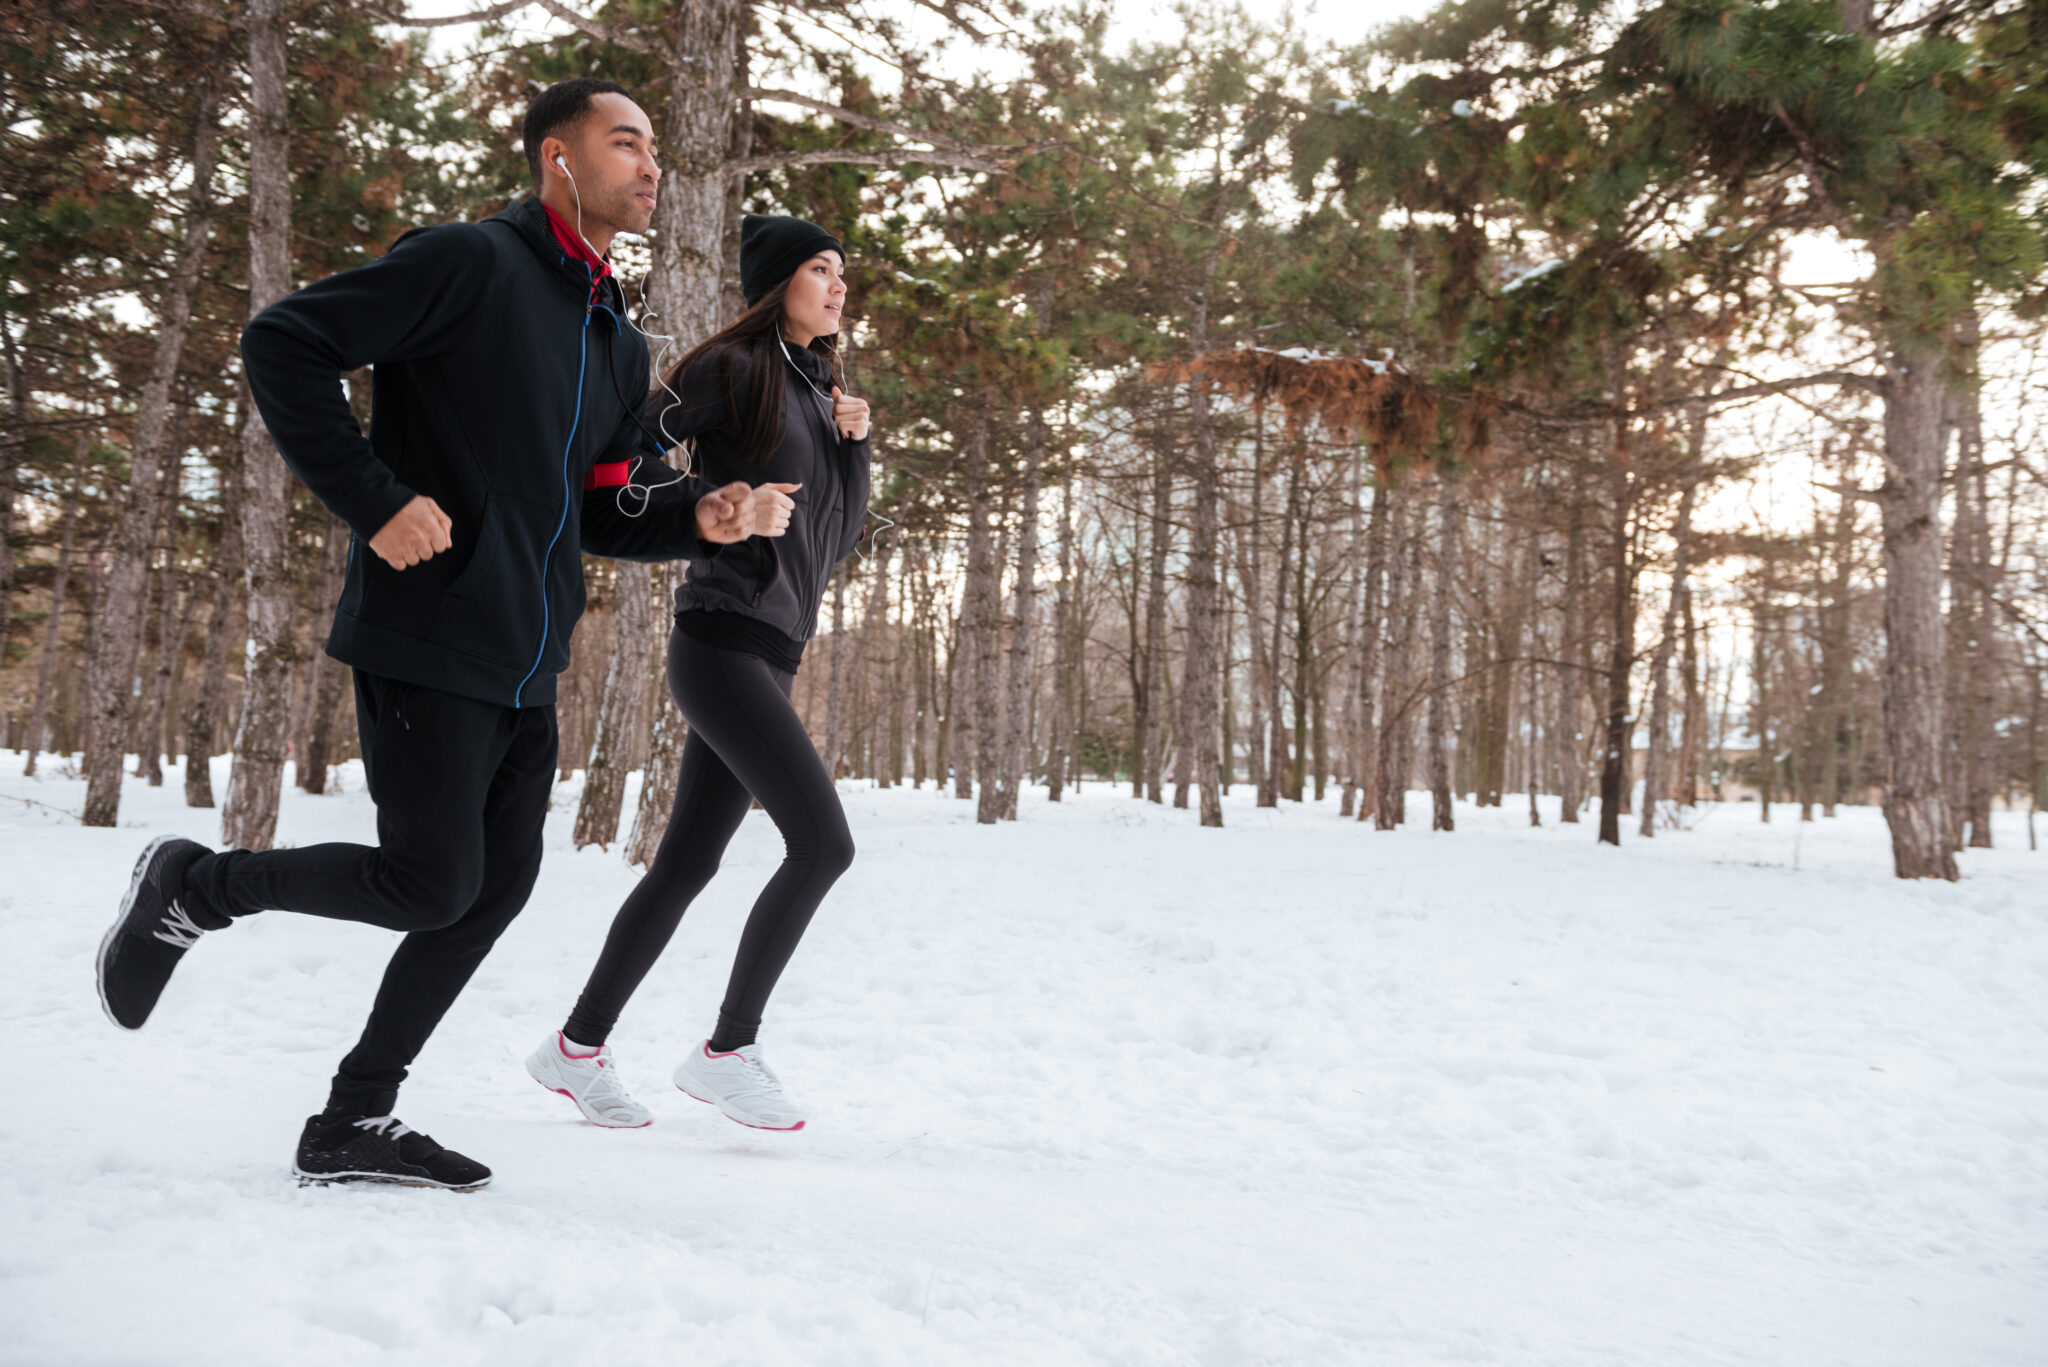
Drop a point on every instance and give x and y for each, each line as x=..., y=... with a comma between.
x=562, y=1043
x=730, y=1053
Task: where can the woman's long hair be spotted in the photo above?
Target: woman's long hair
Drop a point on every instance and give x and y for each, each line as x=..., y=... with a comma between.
x=746, y=357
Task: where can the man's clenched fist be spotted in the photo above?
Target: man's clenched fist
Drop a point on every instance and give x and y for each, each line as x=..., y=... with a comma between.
x=417, y=532
x=740, y=510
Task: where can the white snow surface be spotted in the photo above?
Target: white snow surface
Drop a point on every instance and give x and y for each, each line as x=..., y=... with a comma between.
x=1098, y=1086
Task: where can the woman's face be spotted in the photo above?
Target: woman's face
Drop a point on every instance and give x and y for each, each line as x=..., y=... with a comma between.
x=810, y=308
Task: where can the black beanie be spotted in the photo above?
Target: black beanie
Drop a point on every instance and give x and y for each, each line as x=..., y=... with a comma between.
x=772, y=247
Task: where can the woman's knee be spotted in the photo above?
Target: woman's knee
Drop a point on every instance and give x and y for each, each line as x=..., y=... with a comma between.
x=835, y=851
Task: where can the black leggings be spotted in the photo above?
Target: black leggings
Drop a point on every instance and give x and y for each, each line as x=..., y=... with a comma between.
x=746, y=741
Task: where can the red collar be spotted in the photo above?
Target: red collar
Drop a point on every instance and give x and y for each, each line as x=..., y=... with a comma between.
x=578, y=249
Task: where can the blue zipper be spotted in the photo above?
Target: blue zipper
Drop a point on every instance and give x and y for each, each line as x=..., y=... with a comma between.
x=582, y=355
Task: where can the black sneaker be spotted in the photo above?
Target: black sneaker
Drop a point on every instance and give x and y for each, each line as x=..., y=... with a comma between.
x=151, y=933
x=380, y=1148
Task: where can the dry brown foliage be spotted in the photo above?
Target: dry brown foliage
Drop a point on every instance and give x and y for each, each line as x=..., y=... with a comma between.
x=1390, y=408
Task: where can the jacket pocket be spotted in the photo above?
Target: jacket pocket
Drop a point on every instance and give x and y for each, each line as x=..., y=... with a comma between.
x=482, y=609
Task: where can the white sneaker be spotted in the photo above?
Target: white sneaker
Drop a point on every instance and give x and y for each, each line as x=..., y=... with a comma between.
x=591, y=1081
x=741, y=1085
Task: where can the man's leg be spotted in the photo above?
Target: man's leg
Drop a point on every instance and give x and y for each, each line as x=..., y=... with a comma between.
x=431, y=967
x=431, y=759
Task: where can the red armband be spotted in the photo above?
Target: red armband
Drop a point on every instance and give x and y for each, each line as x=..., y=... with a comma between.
x=608, y=474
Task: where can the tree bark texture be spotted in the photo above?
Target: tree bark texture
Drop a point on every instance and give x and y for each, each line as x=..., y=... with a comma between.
x=1915, y=801
x=620, y=709
x=1450, y=515
x=170, y=631
x=46, y=667
x=1660, y=663
x=249, y=817
x=1024, y=614
x=330, y=676
x=112, y=683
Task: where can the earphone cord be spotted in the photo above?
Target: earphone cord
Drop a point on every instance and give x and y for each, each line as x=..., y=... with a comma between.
x=646, y=492
x=668, y=341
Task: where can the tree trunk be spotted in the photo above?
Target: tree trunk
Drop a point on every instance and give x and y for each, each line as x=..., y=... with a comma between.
x=1450, y=514
x=173, y=622
x=1200, y=671
x=1249, y=573
x=1660, y=663
x=978, y=633
x=1304, y=648
x=874, y=631
x=1276, y=773
x=1760, y=701
x=1062, y=729
x=1390, y=781
x=1621, y=653
x=620, y=709
x=836, y=678
x=666, y=731
x=1571, y=650
x=1024, y=613
x=1151, y=737
x=113, y=680
x=1694, y=726
x=1915, y=802
x=46, y=667
x=330, y=676
x=203, y=709
x=1974, y=671
x=249, y=819
x=1365, y=752
x=13, y=450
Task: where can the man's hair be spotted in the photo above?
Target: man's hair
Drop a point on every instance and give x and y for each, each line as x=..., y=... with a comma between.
x=556, y=108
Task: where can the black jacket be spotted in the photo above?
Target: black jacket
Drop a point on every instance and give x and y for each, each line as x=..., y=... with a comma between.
x=499, y=382
x=779, y=581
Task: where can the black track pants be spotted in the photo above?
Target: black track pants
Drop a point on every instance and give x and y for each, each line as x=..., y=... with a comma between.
x=461, y=788
x=746, y=741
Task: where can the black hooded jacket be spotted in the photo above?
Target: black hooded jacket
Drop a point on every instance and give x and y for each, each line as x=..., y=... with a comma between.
x=501, y=378
x=777, y=581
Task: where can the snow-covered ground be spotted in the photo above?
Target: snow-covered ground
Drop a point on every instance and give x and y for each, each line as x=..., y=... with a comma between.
x=1096, y=1087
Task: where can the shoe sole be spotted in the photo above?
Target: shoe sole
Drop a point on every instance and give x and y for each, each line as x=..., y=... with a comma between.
x=601, y=1124
x=121, y=919
x=382, y=1179
x=773, y=1129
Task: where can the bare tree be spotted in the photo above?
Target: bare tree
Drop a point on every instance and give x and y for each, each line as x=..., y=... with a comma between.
x=46, y=667
x=1024, y=613
x=1450, y=515
x=621, y=709
x=111, y=684
x=249, y=819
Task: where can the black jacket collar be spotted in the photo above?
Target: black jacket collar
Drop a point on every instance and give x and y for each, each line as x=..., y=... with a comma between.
x=529, y=218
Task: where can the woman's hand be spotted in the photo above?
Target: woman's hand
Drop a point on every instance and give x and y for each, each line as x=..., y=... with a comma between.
x=771, y=508
x=850, y=414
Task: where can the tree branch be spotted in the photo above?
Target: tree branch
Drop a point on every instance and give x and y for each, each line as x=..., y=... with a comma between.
x=1846, y=379
x=890, y=157
x=608, y=33
x=482, y=16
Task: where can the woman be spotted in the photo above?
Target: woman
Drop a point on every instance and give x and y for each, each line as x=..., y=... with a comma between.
x=759, y=402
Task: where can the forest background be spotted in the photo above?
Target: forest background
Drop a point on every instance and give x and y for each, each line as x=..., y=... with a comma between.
x=1638, y=403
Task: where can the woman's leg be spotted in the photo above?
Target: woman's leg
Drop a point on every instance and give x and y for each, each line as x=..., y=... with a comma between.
x=709, y=806
x=740, y=706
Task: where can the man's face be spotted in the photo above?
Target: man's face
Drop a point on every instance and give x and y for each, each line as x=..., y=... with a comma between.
x=611, y=153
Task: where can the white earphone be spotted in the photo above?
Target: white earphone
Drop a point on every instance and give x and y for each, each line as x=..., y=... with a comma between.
x=667, y=341
x=677, y=399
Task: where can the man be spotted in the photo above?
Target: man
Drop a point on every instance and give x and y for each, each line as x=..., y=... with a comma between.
x=508, y=391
